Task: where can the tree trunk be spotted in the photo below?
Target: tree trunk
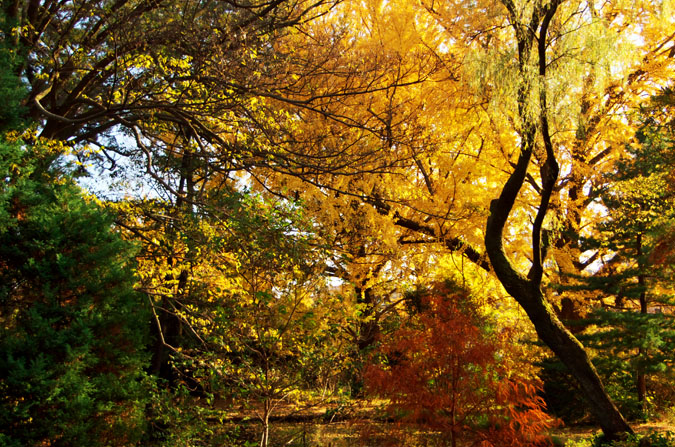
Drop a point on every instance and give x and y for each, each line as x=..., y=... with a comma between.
x=573, y=355
x=265, y=437
x=642, y=388
x=642, y=282
x=369, y=326
x=168, y=328
x=527, y=292
x=527, y=289
x=561, y=341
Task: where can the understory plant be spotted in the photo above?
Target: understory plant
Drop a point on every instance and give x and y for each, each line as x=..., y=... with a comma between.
x=449, y=370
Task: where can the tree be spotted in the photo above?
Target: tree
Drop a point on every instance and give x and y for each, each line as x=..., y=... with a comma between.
x=274, y=329
x=71, y=369
x=187, y=95
x=527, y=290
x=524, y=86
x=636, y=329
x=421, y=124
x=241, y=308
x=273, y=342
x=486, y=103
x=488, y=117
x=516, y=60
x=449, y=371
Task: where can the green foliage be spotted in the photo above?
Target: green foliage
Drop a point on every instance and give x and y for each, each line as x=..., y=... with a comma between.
x=666, y=439
x=71, y=362
x=618, y=338
x=274, y=328
x=633, y=332
x=12, y=91
x=654, y=439
x=558, y=385
x=240, y=301
x=176, y=418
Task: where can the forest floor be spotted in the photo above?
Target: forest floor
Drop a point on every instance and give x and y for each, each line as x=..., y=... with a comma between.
x=369, y=433
x=577, y=433
x=361, y=423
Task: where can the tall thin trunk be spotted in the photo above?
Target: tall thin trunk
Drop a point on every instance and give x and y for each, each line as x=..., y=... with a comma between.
x=265, y=437
x=642, y=282
x=369, y=327
x=453, y=408
x=169, y=324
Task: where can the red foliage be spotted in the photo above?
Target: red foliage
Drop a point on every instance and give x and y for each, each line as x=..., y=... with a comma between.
x=446, y=373
x=664, y=251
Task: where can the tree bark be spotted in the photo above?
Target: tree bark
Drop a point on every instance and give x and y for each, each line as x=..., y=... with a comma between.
x=642, y=282
x=527, y=290
x=369, y=327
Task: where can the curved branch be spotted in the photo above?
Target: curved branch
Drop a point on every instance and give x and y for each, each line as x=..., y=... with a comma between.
x=453, y=244
x=49, y=114
x=550, y=169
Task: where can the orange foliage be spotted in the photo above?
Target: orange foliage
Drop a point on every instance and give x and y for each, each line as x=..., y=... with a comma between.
x=447, y=372
x=664, y=252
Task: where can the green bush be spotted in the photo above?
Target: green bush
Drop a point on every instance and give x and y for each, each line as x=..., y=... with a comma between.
x=666, y=439
x=71, y=326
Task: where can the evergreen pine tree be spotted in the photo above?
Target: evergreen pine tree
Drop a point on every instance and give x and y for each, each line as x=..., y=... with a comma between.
x=71, y=338
x=71, y=325
x=635, y=326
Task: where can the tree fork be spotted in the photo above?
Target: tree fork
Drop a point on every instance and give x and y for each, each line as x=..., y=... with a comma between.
x=527, y=290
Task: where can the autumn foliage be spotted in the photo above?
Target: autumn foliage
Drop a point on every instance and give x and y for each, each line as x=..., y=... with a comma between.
x=279, y=172
x=447, y=373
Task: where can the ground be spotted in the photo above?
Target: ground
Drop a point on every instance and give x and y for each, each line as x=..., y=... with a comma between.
x=331, y=424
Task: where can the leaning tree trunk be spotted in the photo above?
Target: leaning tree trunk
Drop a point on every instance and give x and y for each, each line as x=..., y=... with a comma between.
x=527, y=290
x=561, y=341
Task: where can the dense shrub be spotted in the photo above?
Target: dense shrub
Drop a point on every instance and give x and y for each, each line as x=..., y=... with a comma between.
x=450, y=371
x=71, y=326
